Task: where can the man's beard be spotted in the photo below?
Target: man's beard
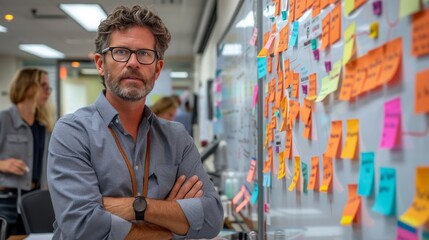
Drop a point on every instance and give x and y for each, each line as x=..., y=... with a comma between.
x=130, y=93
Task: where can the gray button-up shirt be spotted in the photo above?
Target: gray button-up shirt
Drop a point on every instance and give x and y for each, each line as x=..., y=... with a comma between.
x=84, y=164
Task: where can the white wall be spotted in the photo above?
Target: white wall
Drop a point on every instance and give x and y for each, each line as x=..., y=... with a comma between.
x=8, y=67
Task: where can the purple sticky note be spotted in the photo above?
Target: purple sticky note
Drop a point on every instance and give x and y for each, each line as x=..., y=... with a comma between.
x=377, y=7
x=316, y=54
x=304, y=88
x=328, y=66
x=277, y=149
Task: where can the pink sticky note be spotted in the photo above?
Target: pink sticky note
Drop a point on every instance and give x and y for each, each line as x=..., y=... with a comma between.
x=377, y=7
x=254, y=37
x=316, y=54
x=251, y=173
x=404, y=234
x=392, y=122
x=266, y=207
x=244, y=202
x=255, y=96
x=328, y=66
x=218, y=86
x=238, y=196
x=270, y=42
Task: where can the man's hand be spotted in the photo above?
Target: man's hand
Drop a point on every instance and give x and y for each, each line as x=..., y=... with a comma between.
x=189, y=189
x=13, y=166
x=144, y=230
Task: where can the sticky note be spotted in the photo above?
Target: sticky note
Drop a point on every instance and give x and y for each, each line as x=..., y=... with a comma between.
x=307, y=127
x=269, y=162
x=296, y=175
x=312, y=82
x=418, y=213
x=330, y=83
x=421, y=92
x=281, y=172
x=314, y=44
x=262, y=67
x=366, y=174
x=352, y=206
x=251, y=172
x=391, y=123
x=349, y=6
x=349, y=45
x=295, y=86
x=254, y=37
x=324, y=3
x=334, y=142
x=335, y=25
x=304, y=88
x=420, y=33
x=288, y=146
x=283, y=39
x=254, y=198
x=255, y=96
x=359, y=3
x=374, y=69
x=385, y=203
x=284, y=15
x=391, y=61
x=291, y=10
x=373, y=30
x=360, y=76
x=294, y=36
x=325, y=31
x=407, y=7
x=267, y=179
x=304, y=177
x=348, y=81
x=313, y=183
x=352, y=140
x=327, y=174
x=377, y=7
x=300, y=6
x=328, y=66
x=316, y=54
x=245, y=201
x=315, y=8
x=306, y=110
x=406, y=232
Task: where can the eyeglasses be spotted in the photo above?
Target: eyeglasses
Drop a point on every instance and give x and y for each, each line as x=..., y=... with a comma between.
x=122, y=54
x=46, y=87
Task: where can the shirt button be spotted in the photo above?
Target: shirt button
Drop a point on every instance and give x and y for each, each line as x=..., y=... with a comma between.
x=117, y=120
x=137, y=167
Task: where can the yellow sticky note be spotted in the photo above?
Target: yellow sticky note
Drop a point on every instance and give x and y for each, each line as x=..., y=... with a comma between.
x=349, y=6
x=330, y=83
x=281, y=173
x=352, y=139
x=418, y=213
x=373, y=30
x=408, y=7
x=263, y=52
x=296, y=175
x=349, y=46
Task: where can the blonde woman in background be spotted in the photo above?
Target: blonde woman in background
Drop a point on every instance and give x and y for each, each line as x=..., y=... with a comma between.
x=24, y=136
x=166, y=108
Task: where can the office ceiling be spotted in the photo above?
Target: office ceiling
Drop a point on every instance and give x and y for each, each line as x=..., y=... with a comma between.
x=51, y=26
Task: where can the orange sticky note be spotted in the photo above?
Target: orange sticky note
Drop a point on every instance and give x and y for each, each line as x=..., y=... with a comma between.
x=324, y=3
x=269, y=162
x=296, y=175
x=306, y=110
x=288, y=147
x=309, y=4
x=299, y=8
x=360, y=75
x=391, y=61
x=295, y=86
x=307, y=127
x=327, y=174
x=312, y=92
x=291, y=10
x=359, y=3
x=284, y=107
x=284, y=39
x=266, y=106
x=277, y=9
x=374, y=69
x=348, y=81
x=313, y=183
x=325, y=31
x=269, y=64
x=293, y=111
x=334, y=142
x=281, y=172
x=316, y=8
x=279, y=97
x=335, y=25
x=418, y=213
x=272, y=90
x=351, y=147
x=421, y=92
x=420, y=33
x=352, y=206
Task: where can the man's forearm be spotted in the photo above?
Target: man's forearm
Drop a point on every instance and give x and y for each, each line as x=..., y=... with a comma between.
x=167, y=214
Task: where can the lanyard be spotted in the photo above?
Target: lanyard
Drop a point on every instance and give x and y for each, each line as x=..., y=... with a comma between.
x=130, y=168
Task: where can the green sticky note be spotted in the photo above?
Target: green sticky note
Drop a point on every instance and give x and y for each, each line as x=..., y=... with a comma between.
x=366, y=174
x=254, y=197
x=313, y=44
x=349, y=6
x=408, y=7
x=385, y=203
x=349, y=44
x=304, y=176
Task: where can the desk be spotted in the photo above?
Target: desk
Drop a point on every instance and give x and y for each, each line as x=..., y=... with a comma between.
x=17, y=237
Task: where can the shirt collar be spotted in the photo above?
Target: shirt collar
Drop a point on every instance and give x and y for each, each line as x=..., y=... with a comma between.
x=16, y=117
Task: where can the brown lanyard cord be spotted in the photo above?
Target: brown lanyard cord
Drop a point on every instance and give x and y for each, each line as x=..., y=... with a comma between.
x=130, y=168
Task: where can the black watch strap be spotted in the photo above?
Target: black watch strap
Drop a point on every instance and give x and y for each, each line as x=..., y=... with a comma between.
x=139, y=216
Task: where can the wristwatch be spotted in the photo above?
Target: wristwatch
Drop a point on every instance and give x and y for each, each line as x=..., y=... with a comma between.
x=139, y=206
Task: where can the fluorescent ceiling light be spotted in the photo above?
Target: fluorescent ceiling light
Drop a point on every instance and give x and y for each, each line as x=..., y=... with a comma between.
x=178, y=74
x=88, y=16
x=247, y=21
x=89, y=71
x=41, y=50
x=3, y=29
x=231, y=49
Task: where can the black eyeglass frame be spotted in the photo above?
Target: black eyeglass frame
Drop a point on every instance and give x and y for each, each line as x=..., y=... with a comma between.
x=104, y=51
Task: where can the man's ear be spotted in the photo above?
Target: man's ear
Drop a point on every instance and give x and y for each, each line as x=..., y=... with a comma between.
x=158, y=68
x=98, y=60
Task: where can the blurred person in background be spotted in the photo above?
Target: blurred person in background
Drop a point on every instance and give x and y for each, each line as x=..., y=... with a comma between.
x=24, y=136
x=165, y=107
x=183, y=116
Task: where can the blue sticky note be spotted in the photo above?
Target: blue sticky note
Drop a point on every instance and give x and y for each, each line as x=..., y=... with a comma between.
x=425, y=236
x=304, y=176
x=267, y=179
x=366, y=174
x=385, y=203
x=284, y=15
x=254, y=197
x=293, y=41
x=262, y=67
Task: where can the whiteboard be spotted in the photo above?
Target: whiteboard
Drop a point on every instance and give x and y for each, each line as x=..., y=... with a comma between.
x=317, y=215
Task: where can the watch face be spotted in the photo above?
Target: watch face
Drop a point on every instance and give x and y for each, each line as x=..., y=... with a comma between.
x=139, y=204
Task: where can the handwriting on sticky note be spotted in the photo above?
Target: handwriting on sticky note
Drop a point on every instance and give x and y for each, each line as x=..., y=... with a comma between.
x=313, y=183
x=420, y=33
x=348, y=81
x=288, y=147
x=295, y=86
x=352, y=206
x=352, y=140
x=262, y=67
x=294, y=38
x=327, y=174
x=306, y=110
x=421, y=92
x=284, y=37
x=335, y=25
x=281, y=173
x=312, y=91
x=374, y=69
x=349, y=45
x=334, y=141
x=296, y=175
x=391, y=61
x=386, y=196
x=251, y=172
x=392, y=123
x=325, y=31
x=366, y=174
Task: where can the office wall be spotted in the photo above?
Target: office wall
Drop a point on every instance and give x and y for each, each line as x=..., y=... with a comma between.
x=8, y=67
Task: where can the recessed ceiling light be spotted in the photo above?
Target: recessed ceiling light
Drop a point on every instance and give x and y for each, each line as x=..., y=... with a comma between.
x=3, y=29
x=41, y=50
x=179, y=74
x=87, y=15
x=8, y=17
